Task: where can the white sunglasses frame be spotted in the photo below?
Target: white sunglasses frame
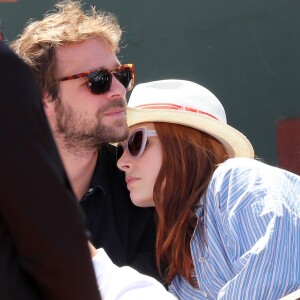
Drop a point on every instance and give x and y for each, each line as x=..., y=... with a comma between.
x=146, y=133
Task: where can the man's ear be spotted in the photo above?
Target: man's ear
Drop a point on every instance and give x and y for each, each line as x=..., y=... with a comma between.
x=46, y=98
x=48, y=103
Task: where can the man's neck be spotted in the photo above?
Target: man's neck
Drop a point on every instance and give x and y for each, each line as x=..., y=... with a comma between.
x=80, y=168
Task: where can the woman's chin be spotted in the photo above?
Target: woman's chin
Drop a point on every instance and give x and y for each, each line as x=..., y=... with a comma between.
x=142, y=203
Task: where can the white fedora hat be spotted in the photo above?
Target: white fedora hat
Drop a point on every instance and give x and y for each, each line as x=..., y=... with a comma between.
x=186, y=103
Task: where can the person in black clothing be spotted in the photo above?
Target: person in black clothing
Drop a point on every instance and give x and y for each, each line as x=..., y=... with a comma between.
x=116, y=224
x=73, y=55
x=43, y=244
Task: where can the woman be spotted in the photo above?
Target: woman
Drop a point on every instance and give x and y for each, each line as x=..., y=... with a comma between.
x=228, y=225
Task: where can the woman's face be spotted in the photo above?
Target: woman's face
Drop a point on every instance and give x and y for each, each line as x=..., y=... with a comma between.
x=141, y=172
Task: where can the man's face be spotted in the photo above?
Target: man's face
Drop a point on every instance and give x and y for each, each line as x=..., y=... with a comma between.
x=80, y=118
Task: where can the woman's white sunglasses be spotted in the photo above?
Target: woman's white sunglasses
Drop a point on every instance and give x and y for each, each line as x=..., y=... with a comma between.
x=136, y=143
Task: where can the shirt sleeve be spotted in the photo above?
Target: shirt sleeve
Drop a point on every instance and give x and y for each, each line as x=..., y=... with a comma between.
x=125, y=283
x=259, y=209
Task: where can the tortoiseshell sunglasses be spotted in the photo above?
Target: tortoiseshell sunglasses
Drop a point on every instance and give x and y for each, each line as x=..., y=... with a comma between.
x=99, y=81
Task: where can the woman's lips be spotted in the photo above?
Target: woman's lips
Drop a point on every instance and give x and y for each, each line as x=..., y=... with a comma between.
x=130, y=180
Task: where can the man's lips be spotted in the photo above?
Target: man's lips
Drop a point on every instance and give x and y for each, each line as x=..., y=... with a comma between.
x=115, y=112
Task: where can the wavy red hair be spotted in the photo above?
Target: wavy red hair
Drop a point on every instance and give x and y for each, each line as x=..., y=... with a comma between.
x=189, y=160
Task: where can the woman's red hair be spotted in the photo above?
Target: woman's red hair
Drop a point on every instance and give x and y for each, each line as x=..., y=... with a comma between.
x=189, y=160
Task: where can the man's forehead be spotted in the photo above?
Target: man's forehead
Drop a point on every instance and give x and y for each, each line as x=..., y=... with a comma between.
x=85, y=56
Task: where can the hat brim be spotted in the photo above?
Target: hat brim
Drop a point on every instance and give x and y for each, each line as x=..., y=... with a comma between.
x=236, y=144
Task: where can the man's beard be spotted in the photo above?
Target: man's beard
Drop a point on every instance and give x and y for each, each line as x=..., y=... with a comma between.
x=79, y=133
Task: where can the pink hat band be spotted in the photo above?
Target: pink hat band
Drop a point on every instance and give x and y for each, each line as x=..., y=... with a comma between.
x=173, y=106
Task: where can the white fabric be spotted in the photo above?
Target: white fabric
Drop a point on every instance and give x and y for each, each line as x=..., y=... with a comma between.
x=178, y=92
x=125, y=283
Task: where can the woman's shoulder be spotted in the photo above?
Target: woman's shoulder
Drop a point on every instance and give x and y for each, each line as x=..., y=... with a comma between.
x=240, y=175
x=239, y=163
x=236, y=167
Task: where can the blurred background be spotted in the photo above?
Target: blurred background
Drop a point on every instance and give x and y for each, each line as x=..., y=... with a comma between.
x=246, y=52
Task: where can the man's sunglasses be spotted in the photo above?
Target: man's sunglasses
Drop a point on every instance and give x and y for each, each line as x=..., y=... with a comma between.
x=136, y=143
x=99, y=81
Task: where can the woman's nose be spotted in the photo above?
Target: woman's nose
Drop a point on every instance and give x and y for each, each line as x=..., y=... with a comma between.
x=123, y=162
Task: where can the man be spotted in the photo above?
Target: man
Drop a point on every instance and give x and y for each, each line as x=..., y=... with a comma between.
x=73, y=55
x=43, y=246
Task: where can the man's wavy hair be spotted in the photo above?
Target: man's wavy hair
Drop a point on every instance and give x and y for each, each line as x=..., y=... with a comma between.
x=67, y=24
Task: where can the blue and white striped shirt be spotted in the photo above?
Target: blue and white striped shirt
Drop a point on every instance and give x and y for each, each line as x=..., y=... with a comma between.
x=252, y=219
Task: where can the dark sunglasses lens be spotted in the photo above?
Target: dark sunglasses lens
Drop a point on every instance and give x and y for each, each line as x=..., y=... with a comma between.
x=119, y=151
x=99, y=82
x=135, y=143
x=124, y=75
